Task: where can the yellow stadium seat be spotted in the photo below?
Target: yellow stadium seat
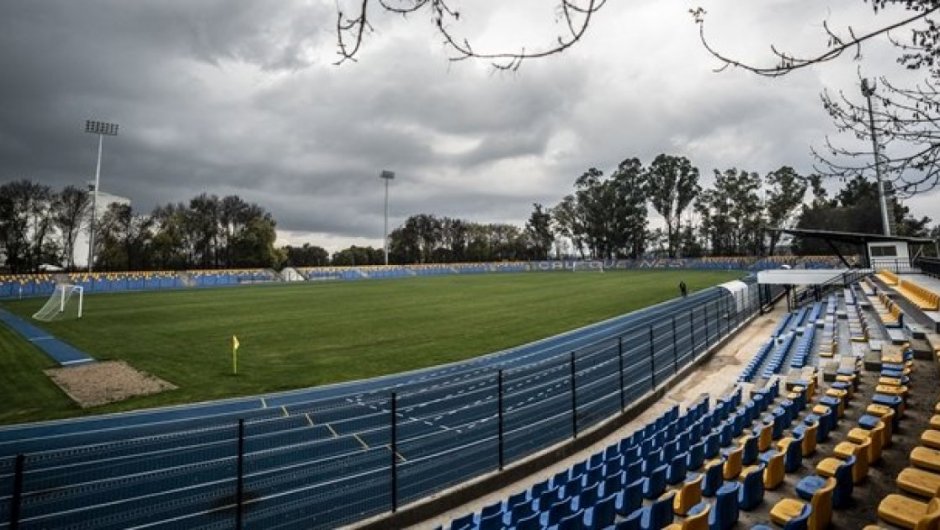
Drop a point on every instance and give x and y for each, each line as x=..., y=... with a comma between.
x=774, y=473
x=733, y=463
x=860, y=451
x=930, y=438
x=919, y=482
x=926, y=458
x=689, y=494
x=809, y=439
x=909, y=513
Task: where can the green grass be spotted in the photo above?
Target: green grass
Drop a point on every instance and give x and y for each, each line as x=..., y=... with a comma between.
x=295, y=336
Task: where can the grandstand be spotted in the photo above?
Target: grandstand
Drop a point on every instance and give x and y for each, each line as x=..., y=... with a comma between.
x=826, y=421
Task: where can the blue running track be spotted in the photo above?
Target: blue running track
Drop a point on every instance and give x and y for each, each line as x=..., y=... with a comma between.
x=60, y=351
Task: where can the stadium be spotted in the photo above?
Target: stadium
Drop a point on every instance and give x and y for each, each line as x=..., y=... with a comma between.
x=470, y=265
x=821, y=403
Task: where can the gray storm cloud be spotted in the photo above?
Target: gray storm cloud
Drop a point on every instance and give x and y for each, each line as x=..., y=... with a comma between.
x=242, y=97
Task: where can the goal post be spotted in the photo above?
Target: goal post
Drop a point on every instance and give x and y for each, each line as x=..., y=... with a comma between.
x=65, y=302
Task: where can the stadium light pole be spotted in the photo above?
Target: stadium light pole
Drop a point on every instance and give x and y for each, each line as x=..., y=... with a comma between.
x=386, y=176
x=868, y=90
x=102, y=129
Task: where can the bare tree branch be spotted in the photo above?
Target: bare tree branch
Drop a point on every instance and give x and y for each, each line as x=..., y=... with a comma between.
x=837, y=45
x=576, y=15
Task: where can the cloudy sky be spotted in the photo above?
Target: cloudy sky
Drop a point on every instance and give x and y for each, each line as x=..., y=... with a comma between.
x=241, y=96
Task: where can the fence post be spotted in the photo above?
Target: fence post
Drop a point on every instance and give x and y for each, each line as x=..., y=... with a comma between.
x=721, y=316
x=707, y=334
x=17, y=498
x=240, y=484
x=499, y=384
x=394, y=448
x=675, y=348
x=623, y=402
x=652, y=361
x=574, y=400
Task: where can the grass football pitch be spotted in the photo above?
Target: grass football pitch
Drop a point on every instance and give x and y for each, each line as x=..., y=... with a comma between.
x=300, y=335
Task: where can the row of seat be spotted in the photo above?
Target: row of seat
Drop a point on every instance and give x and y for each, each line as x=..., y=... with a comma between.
x=917, y=507
x=828, y=345
x=920, y=296
x=615, y=481
x=888, y=311
x=888, y=277
x=736, y=475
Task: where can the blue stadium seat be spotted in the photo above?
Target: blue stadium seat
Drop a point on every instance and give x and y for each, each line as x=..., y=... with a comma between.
x=575, y=521
x=602, y=514
x=752, y=487
x=655, y=516
x=655, y=484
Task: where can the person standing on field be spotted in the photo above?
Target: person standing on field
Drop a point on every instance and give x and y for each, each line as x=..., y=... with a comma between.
x=683, y=289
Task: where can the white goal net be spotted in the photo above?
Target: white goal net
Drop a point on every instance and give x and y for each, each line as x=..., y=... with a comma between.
x=64, y=303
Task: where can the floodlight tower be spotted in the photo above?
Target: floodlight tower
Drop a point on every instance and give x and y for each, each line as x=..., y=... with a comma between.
x=102, y=129
x=868, y=90
x=386, y=176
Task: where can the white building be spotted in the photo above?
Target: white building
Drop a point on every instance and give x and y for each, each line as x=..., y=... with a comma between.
x=105, y=199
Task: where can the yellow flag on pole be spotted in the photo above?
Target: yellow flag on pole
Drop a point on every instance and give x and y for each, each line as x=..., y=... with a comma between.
x=234, y=354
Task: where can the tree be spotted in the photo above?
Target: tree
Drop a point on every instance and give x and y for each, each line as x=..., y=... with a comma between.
x=306, y=256
x=171, y=245
x=569, y=222
x=574, y=15
x=906, y=124
x=253, y=245
x=354, y=255
x=69, y=210
x=595, y=202
x=732, y=221
x=904, y=120
x=787, y=189
x=539, y=230
x=672, y=183
x=203, y=223
x=125, y=239
x=629, y=213
x=855, y=208
x=24, y=223
x=232, y=212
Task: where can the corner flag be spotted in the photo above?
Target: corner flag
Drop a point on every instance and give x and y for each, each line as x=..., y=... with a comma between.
x=234, y=354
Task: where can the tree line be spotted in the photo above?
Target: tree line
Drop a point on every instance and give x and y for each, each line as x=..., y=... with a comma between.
x=39, y=227
x=606, y=216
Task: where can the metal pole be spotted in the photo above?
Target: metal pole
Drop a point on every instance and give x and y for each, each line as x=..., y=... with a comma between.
x=707, y=337
x=675, y=348
x=499, y=384
x=623, y=401
x=385, y=233
x=17, y=498
x=868, y=91
x=94, y=208
x=240, y=485
x=394, y=447
x=574, y=400
x=652, y=360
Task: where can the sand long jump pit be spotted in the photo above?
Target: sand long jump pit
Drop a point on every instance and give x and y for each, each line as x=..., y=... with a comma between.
x=99, y=383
